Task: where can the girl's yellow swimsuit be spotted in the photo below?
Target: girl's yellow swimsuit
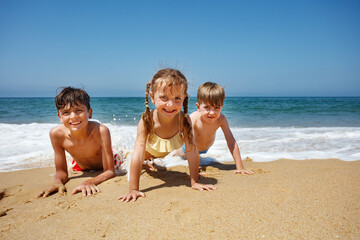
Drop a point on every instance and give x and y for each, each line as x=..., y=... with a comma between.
x=160, y=147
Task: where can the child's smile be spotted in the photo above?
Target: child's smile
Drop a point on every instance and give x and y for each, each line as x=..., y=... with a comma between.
x=168, y=100
x=169, y=111
x=75, y=117
x=75, y=123
x=209, y=113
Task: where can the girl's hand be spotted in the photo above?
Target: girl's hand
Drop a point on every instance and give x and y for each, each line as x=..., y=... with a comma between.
x=53, y=188
x=87, y=189
x=133, y=194
x=243, y=172
x=201, y=187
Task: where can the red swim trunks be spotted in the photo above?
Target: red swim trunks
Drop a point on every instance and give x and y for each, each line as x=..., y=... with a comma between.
x=118, y=160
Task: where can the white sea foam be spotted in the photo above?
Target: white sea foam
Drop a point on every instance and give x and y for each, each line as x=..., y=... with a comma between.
x=25, y=146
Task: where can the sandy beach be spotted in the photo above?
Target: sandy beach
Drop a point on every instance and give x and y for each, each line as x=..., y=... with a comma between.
x=285, y=199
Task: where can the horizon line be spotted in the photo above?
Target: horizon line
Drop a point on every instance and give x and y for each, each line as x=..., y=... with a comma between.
x=232, y=96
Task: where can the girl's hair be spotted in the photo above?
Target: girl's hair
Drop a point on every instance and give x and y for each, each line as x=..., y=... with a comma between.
x=171, y=77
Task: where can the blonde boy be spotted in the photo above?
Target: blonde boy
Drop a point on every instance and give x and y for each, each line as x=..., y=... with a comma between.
x=208, y=118
x=88, y=142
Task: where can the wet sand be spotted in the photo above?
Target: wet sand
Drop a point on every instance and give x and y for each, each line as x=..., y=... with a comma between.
x=285, y=199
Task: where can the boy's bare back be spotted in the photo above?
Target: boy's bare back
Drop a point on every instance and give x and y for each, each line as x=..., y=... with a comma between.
x=86, y=150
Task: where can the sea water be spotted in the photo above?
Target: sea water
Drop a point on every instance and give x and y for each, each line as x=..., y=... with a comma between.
x=265, y=128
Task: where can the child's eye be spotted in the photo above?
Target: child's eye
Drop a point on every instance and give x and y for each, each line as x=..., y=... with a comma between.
x=178, y=99
x=164, y=98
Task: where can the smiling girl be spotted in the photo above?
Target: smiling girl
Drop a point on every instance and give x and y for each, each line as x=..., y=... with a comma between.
x=164, y=129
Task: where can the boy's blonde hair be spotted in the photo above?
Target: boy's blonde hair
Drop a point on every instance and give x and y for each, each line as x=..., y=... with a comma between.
x=171, y=77
x=211, y=93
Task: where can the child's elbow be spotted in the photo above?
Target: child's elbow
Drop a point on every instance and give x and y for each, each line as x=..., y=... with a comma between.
x=65, y=179
x=111, y=173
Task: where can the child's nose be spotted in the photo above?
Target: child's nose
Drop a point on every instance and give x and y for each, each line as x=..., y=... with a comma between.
x=170, y=103
x=72, y=114
x=211, y=112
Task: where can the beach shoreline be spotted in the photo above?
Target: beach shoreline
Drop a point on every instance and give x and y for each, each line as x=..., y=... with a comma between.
x=265, y=128
x=285, y=199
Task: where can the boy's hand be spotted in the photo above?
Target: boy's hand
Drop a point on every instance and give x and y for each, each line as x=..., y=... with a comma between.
x=201, y=187
x=243, y=172
x=86, y=188
x=60, y=188
x=133, y=194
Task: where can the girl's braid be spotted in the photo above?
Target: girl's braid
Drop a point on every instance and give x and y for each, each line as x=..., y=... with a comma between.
x=146, y=116
x=186, y=121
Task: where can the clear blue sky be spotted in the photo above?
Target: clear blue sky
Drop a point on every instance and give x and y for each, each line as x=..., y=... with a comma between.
x=112, y=48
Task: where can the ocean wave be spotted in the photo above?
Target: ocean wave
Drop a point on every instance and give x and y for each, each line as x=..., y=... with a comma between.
x=25, y=146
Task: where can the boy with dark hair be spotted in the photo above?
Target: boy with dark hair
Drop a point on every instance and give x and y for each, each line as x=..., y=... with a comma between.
x=88, y=142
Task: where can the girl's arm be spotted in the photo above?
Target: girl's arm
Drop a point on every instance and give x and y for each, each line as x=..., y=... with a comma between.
x=192, y=155
x=233, y=147
x=137, y=161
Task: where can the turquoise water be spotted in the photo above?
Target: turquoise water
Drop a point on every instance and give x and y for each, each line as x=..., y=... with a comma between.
x=266, y=128
x=240, y=111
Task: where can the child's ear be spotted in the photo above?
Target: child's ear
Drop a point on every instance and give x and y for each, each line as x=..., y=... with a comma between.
x=90, y=113
x=152, y=97
x=59, y=117
x=198, y=106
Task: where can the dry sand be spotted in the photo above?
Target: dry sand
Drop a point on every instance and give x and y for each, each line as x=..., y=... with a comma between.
x=285, y=199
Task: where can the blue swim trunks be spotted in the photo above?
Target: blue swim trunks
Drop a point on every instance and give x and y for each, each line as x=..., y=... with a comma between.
x=200, y=152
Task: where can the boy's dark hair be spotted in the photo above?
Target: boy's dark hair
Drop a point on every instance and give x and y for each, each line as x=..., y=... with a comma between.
x=211, y=93
x=72, y=96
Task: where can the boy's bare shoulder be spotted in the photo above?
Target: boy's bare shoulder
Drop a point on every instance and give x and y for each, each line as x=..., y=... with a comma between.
x=96, y=127
x=58, y=135
x=57, y=131
x=103, y=129
x=195, y=115
x=222, y=119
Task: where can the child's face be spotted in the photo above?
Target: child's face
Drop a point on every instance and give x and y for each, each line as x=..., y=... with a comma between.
x=209, y=113
x=168, y=100
x=75, y=117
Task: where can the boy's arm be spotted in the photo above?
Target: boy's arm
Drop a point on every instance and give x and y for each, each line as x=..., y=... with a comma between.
x=233, y=146
x=137, y=160
x=192, y=155
x=89, y=187
x=61, y=175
